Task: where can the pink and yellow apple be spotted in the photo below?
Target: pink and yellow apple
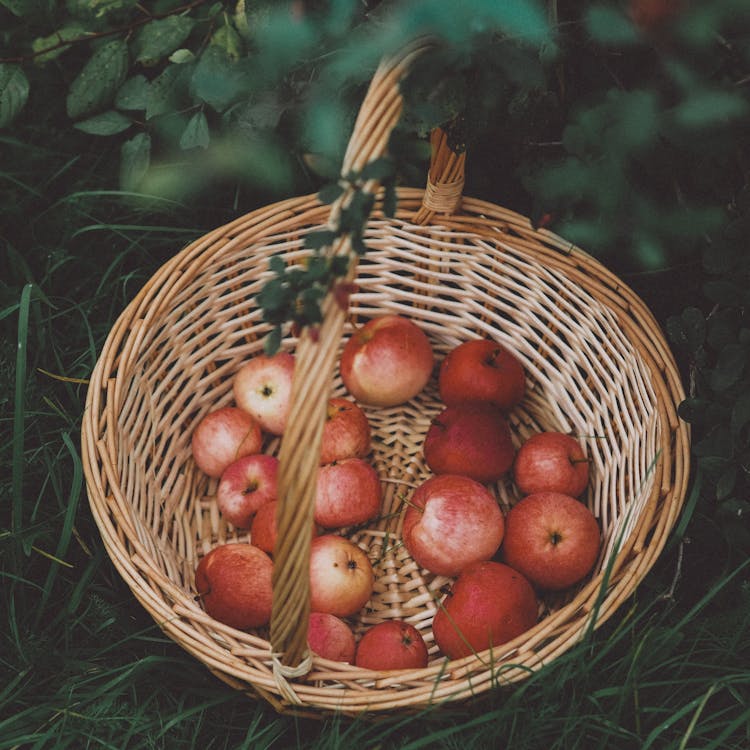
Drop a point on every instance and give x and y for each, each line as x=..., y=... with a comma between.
x=451, y=522
x=245, y=486
x=387, y=361
x=341, y=576
x=551, y=462
x=222, y=437
x=263, y=387
x=553, y=539
x=330, y=637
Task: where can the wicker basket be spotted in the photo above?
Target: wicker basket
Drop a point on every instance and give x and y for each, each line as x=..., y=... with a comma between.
x=596, y=363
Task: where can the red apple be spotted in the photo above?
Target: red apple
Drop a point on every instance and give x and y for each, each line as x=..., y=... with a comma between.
x=330, y=637
x=346, y=432
x=451, y=522
x=348, y=493
x=341, y=576
x=551, y=462
x=263, y=387
x=489, y=604
x=245, y=486
x=223, y=436
x=482, y=370
x=392, y=644
x=553, y=539
x=472, y=439
x=387, y=361
x=234, y=583
x=263, y=529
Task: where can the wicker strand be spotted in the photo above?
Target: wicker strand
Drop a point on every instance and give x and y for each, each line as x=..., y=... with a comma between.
x=282, y=673
x=445, y=180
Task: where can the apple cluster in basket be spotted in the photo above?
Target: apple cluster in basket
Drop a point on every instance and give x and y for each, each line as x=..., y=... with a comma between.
x=452, y=524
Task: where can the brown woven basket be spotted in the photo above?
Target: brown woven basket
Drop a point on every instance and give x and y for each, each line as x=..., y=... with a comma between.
x=597, y=365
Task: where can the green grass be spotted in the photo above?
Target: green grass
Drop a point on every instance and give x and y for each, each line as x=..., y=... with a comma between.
x=81, y=663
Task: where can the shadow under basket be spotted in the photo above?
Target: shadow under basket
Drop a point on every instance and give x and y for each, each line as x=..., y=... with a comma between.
x=597, y=366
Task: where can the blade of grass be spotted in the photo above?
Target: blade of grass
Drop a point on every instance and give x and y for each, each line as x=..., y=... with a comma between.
x=66, y=532
x=19, y=411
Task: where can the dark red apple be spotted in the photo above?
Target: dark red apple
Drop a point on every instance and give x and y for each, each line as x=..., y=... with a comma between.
x=553, y=539
x=471, y=439
x=234, y=583
x=392, y=644
x=482, y=370
x=489, y=604
x=348, y=493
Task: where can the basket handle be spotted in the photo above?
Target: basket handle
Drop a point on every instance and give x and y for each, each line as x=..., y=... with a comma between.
x=315, y=360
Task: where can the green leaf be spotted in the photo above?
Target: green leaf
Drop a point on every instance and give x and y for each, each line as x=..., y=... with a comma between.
x=106, y=123
x=181, y=56
x=319, y=239
x=390, y=199
x=707, y=108
x=277, y=264
x=135, y=158
x=14, y=91
x=99, y=9
x=161, y=37
x=216, y=80
x=610, y=26
x=272, y=342
x=196, y=133
x=724, y=291
x=133, y=94
x=227, y=39
x=19, y=8
x=329, y=193
x=65, y=34
x=164, y=92
x=726, y=483
x=96, y=84
x=729, y=367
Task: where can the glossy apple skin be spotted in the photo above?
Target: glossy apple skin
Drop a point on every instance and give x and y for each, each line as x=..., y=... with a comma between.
x=347, y=493
x=553, y=539
x=489, y=604
x=451, y=522
x=222, y=437
x=234, y=582
x=346, y=432
x=392, y=644
x=263, y=530
x=263, y=387
x=341, y=576
x=470, y=439
x=482, y=370
x=245, y=486
x=551, y=462
x=387, y=361
x=330, y=637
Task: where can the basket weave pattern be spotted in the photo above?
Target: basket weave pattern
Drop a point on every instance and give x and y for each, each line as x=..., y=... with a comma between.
x=596, y=363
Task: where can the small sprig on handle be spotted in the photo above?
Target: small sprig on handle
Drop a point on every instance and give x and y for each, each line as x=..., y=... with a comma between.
x=294, y=294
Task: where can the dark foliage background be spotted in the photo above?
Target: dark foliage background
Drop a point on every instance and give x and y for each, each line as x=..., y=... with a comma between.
x=127, y=129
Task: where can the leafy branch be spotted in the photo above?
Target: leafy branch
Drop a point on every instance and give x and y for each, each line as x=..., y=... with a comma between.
x=294, y=295
x=89, y=36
